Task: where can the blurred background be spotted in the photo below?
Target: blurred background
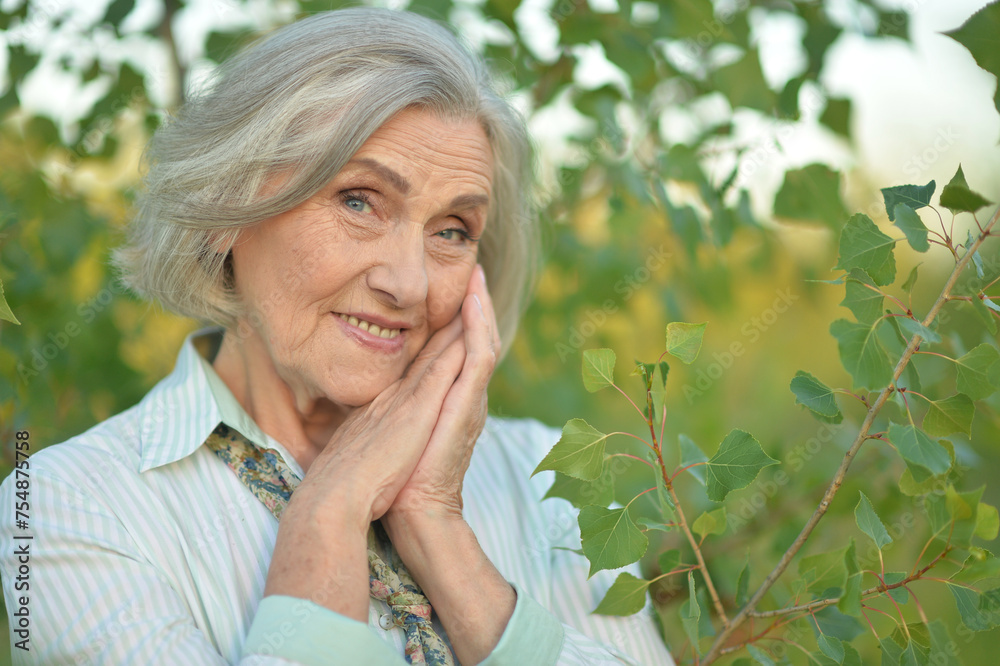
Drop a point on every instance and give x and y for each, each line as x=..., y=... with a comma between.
x=696, y=161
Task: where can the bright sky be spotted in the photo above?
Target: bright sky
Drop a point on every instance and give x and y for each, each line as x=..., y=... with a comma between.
x=918, y=109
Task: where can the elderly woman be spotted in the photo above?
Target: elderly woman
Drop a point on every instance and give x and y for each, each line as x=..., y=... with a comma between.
x=318, y=482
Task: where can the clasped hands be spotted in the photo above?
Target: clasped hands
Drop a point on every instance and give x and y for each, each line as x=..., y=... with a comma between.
x=402, y=459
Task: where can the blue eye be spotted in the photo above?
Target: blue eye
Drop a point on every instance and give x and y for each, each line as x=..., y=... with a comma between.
x=453, y=234
x=356, y=203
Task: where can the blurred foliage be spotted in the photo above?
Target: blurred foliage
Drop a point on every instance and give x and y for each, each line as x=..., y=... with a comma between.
x=648, y=215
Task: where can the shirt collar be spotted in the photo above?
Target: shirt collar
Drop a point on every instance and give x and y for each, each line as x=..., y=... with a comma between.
x=181, y=411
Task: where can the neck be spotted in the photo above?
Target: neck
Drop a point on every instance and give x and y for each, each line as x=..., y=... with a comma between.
x=303, y=423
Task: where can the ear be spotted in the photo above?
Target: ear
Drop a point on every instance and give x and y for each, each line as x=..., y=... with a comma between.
x=221, y=241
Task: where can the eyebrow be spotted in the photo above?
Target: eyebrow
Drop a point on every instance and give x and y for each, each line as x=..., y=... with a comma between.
x=395, y=179
x=400, y=183
x=466, y=201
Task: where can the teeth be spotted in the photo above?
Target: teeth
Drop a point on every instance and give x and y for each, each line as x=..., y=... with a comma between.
x=374, y=329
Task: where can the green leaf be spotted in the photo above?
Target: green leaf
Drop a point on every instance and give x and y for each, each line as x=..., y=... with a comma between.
x=581, y=493
x=937, y=515
x=977, y=568
x=963, y=512
x=987, y=522
x=869, y=522
x=831, y=621
x=667, y=507
x=610, y=539
x=831, y=647
x=811, y=193
x=691, y=614
x=824, y=571
x=915, y=633
x=981, y=35
x=743, y=583
x=850, y=600
x=943, y=651
x=626, y=596
x=862, y=297
x=684, y=340
x=851, y=558
x=892, y=654
x=117, y=11
x=913, y=327
x=978, y=305
x=894, y=24
x=912, y=227
x=970, y=607
x=950, y=415
x=914, y=196
x=710, y=522
x=924, y=457
x=862, y=354
x=958, y=198
x=735, y=465
x=837, y=116
x=863, y=246
x=908, y=485
x=743, y=83
x=669, y=560
x=899, y=594
x=6, y=314
x=691, y=453
x=907, y=286
x=759, y=655
x=851, y=656
x=578, y=453
x=649, y=524
x=658, y=386
x=816, y=396
x=598, y=369
x=977, y=372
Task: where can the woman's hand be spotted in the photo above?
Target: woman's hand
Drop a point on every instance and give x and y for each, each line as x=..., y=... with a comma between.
x=321, y=552
x=435, y=486
x=403, y=458
x=472, y=599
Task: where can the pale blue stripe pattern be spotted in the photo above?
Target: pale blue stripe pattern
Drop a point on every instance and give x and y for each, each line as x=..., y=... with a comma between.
x=148, y=550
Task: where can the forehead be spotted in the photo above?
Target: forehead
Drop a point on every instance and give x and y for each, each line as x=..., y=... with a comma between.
x=425, y=147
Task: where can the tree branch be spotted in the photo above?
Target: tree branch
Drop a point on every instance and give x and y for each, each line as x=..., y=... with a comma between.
x=838, y=477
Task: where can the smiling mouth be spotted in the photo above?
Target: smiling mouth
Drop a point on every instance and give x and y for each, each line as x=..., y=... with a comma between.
x=374, y=329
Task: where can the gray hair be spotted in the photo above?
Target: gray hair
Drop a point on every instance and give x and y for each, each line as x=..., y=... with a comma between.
x=301, y=102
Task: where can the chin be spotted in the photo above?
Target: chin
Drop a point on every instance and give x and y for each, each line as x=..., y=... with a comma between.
x=349, y=390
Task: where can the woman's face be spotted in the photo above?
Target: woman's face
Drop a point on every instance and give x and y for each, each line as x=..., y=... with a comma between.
x=344, y=290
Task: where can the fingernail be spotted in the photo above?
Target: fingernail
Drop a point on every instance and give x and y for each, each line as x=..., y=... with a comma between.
x=476, y=296
x=482, y=273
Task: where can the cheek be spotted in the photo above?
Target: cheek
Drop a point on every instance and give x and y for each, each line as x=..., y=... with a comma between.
x=446, y=293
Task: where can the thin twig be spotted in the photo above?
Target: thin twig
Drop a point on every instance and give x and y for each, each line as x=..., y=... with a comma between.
x=838, y=477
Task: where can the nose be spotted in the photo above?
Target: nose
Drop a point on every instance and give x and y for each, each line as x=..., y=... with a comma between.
x=399, y=278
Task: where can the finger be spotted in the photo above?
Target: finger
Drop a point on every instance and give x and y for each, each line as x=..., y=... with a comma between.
x=440, y=374
x=434, y=347
x=481, y=290
x=481, y=357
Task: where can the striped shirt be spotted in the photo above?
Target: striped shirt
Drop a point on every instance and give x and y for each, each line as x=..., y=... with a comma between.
x=147, y=549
